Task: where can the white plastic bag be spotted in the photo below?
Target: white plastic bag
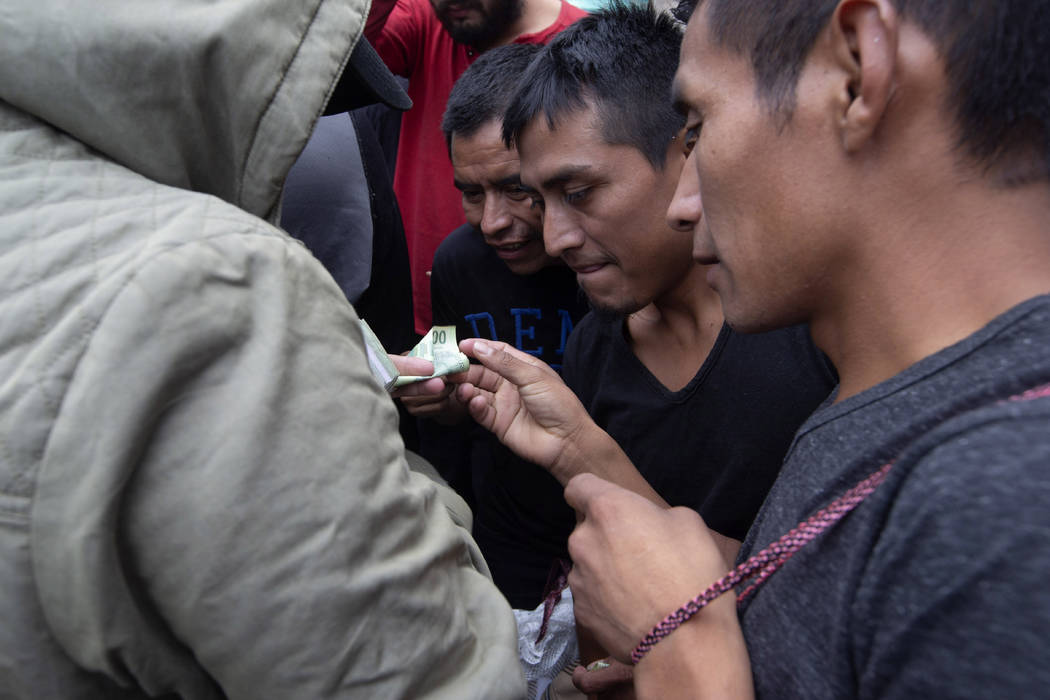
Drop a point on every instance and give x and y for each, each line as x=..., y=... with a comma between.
x=542, y=661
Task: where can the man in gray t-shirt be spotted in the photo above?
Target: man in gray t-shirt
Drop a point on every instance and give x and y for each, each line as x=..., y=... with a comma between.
x=879, y=170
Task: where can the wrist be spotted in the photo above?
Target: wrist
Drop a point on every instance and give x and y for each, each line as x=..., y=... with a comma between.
x=706, y=657
x=584, y=451
x=593, y=451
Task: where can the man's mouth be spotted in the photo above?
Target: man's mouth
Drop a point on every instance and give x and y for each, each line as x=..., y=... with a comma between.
x=458, y=10
x=585, y=267
x=512, y=249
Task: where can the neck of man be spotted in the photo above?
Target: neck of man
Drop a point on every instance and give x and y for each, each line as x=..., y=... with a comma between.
x=940, y=265
x=673, y=335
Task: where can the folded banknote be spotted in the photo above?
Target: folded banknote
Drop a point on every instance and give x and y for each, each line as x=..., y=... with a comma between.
x=439, y=346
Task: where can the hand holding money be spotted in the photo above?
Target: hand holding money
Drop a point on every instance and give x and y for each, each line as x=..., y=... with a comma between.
x=524, y=402
x=438, y=347
x=528, y=407
x=433, y=398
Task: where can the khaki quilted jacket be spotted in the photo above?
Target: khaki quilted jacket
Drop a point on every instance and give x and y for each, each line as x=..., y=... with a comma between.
x=202, y=489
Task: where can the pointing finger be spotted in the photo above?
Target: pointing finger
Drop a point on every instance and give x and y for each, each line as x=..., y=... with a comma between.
x=583, y=489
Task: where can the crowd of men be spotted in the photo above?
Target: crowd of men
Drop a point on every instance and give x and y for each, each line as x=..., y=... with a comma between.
x=757, y=296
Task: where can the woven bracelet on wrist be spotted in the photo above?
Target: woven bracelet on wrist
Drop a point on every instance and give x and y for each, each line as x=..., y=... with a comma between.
x=764, y=564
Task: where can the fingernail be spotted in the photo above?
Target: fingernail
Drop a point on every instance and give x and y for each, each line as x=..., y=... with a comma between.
x=482, y=349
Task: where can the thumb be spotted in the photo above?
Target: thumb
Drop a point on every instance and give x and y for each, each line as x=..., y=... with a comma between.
x=601, y=677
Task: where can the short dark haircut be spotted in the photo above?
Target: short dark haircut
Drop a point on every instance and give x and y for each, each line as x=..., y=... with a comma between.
x=484, y=90
x=996, y=53
x=621, y=61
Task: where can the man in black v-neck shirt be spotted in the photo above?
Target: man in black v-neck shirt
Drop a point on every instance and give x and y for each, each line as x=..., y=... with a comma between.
x=705, y=414
x=493, y=279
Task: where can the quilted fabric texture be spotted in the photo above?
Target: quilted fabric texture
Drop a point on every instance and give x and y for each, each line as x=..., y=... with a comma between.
x=202, y=489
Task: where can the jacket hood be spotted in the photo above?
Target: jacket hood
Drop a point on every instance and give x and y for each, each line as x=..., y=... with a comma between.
x=215, y=97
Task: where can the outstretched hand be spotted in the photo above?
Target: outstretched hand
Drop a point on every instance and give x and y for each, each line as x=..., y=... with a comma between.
x=525, y=404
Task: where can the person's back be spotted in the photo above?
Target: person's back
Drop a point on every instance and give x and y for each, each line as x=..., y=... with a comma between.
x=203, y=491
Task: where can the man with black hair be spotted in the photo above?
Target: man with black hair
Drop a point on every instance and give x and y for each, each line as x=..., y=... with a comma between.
x=432, y=43
x=493, y=279
x=706, y=414
x=879, y=169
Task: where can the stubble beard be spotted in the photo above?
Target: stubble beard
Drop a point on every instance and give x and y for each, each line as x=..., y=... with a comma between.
x=492, y=27
x=612, y=311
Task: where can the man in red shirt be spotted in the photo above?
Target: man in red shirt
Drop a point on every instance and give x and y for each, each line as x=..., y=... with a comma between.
x=432, y=43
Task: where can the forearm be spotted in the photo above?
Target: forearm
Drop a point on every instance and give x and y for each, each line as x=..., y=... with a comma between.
x=599, y=453
x=704, y=658
x=228, y=511
x=593, y=451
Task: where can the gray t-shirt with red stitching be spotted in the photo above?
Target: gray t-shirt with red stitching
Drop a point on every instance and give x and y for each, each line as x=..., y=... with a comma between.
x=935, y=586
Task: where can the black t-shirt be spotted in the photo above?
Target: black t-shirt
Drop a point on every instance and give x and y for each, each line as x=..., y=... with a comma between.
x=935, y=586
x=521, y=521
x=716, y=445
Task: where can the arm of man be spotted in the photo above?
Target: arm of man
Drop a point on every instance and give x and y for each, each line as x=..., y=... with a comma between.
x=258, y=485
x=530, y=409
x=633, y=564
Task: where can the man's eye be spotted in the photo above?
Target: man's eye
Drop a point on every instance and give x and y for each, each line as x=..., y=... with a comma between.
x=576, y=196
x=472, y=196
x=692, y=134
x=518, y=194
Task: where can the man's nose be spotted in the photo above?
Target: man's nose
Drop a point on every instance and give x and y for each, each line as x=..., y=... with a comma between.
x=560, y=231
x=496, y=217
x=686, y=208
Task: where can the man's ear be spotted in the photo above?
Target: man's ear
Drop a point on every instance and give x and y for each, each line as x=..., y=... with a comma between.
x=864, y=35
